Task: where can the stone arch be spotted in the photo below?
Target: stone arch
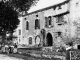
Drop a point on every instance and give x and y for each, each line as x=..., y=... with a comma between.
x=49, y=39
x=37, y=39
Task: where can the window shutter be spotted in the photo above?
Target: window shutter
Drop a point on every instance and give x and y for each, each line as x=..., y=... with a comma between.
x=52, y=23
x=46, y=22
x=27, y=25
x=49, y=20
x=57, y=19
x=36, y=23
x=39, y=24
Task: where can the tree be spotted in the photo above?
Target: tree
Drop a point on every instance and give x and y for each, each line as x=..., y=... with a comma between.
x=9, y=10
x=8, y=20
x=21, y=5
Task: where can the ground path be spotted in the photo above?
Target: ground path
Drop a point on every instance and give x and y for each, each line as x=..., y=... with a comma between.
x=5, y=57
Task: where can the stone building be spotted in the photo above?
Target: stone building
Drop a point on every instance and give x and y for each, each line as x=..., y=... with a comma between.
x=18, y=32
x=52, y=26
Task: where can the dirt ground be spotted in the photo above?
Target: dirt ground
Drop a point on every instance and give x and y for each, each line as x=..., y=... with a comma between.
x=26, y=57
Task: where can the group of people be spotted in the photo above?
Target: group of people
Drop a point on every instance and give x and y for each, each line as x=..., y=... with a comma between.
x=9, y=48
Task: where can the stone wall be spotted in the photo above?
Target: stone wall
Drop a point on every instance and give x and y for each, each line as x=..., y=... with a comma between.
x=61, y=32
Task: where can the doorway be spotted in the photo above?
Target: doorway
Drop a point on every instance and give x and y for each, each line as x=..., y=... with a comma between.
x=49, y=39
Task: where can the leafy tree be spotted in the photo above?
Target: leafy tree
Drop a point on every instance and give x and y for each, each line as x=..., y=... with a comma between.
x=21, y=5
x=9, y=13
x=8, y=20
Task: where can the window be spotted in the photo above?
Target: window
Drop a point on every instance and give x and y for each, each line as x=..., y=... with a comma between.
x=30, y=40
x=19, y=32
x=59, y=19
x=27, y=25
x=78, y=47
x=37, y=24
x=48, y=21
x=59, y=7
x=59, y=34
x=37, y=39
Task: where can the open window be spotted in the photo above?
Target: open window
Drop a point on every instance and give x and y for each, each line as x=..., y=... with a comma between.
x=48, y=21
x=59, y=19
x=37, y=24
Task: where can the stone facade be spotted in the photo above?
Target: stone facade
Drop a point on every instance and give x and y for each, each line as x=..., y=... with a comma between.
x=56, y=25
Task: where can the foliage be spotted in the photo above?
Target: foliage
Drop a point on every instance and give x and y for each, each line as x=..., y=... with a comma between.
x=9, y=10
x=21, y=5
x=8, y=18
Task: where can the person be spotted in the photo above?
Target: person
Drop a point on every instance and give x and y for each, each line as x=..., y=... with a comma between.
x=6, y=49
x=12, y=48
x=10, y=51
x=15, y=48
x=3, y=48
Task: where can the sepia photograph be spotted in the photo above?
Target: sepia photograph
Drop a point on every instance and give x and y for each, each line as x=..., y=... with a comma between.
x=39, y=29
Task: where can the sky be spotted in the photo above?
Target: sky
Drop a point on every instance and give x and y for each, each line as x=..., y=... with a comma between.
x=44, y=3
